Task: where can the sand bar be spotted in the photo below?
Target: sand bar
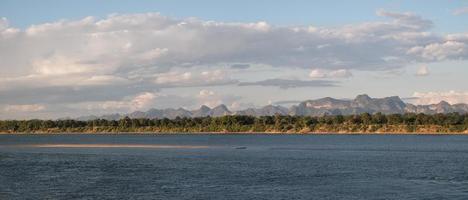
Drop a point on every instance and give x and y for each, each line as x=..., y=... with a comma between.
x=149, y=146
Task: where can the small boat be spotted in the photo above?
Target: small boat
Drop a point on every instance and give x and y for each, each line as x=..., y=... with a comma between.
x=240, y=147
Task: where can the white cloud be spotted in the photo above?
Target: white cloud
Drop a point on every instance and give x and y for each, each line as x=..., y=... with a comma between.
x=452, y=97
x=173, y=77
x=235, y=106
x=5, y=31
x=60, y=65
x=150, y=41
x=3, y=23
x=213, y=99
x=216, y=75
x=209, y=98
x=441, y=51
x=24, y=108
x=150, y=55
x=324, y=73
x=411, y=20
x=205, y=93
x=318, y=73
x=460, y=11
x=423, y=70
x=121, y=56
x=141, y=101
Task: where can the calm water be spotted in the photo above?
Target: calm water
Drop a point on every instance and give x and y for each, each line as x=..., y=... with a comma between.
x=233, y=167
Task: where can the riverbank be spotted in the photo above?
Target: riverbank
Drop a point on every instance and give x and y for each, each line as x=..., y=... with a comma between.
x=409, y=123
x=239, y=133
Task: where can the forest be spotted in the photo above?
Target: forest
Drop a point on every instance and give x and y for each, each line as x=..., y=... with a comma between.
x=362, y=123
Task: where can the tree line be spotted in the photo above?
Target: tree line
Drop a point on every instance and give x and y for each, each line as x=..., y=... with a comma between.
x=365, y=123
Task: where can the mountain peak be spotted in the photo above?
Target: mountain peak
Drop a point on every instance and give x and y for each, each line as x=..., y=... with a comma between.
x=444, y=103
x=220, y=110
x=221, y=106
x=324, y=99
x=204, y=108
x=361, y=104
x=394, y=98
x=363, y=97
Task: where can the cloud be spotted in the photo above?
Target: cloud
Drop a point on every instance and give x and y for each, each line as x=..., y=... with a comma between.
x=286, y=102
x=140, y=102
x=287, y=83
x=24, y=108
x=205, y=93
x=118, y=57
x=460, y=11
x=408, y=19
x=452, y=97
x=6, y=31
x=240, y=66
x=237, y=106
x=423, y=70
x=3, y=23
x=127, y=43
x=441, y=51
x=173, y=77
x=193, y=79
x=70, y=94
x=323, y=73
x=116, y=44
x=213, y=99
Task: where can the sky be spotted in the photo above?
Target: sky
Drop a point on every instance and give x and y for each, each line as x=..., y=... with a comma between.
x=74, y=58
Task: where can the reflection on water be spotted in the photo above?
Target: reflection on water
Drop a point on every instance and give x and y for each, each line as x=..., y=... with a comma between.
x=233, y=167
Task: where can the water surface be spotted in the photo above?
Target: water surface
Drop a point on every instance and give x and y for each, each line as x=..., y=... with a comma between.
x=233, y=167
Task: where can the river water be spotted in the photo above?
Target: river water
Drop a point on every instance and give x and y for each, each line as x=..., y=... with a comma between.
x=78, y=166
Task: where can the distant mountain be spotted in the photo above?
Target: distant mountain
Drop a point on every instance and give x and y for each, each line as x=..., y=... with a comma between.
x=442, y=107
x=265, y=111
x=220, y=111
x=202, y=112
x=324, y=106
x=360, y=104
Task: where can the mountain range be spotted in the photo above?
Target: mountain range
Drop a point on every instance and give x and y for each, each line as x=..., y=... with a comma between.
x=324, y=106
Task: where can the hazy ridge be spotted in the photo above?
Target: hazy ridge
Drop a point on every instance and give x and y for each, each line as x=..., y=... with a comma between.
x=319, y=107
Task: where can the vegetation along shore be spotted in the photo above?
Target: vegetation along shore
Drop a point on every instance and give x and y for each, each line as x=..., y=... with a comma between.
x=363, y=123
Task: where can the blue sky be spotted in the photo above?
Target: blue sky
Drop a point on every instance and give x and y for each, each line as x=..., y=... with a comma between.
x=281, y=12
x=73, y=58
